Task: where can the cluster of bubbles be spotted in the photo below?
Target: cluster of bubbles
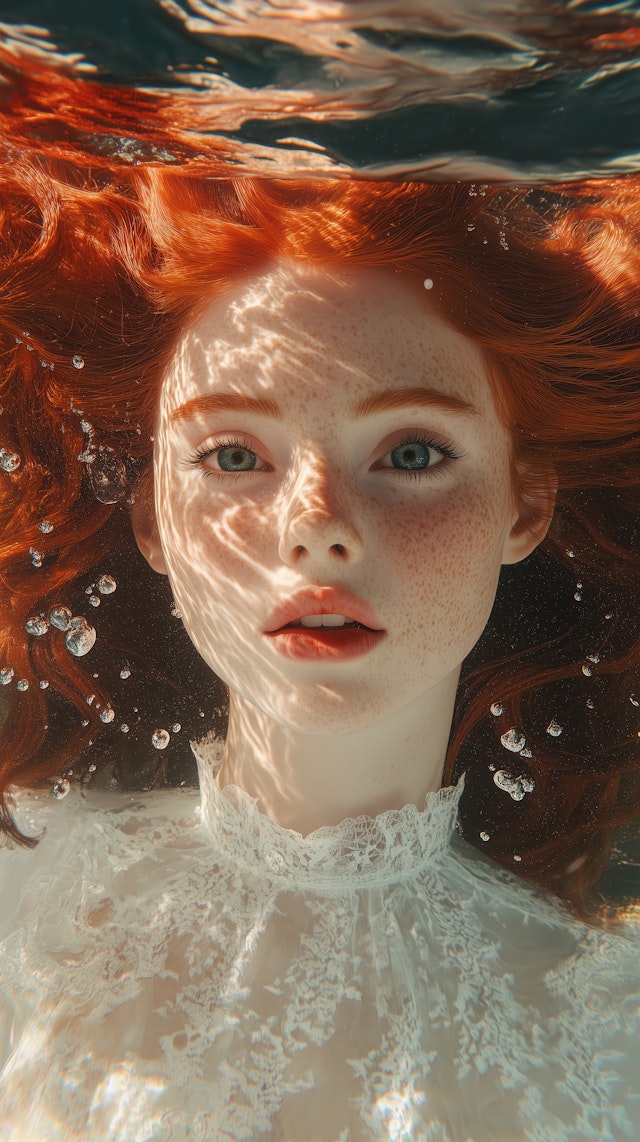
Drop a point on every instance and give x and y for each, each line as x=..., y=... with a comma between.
x=516, y=786
x=80, y=636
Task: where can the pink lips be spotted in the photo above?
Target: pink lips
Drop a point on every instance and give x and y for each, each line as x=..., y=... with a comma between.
x=322, y=601
x=336, y=643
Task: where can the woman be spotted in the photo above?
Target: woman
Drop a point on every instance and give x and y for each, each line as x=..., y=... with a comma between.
x=360, y=401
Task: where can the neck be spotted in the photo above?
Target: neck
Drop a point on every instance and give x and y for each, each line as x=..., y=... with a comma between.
x=305, y=781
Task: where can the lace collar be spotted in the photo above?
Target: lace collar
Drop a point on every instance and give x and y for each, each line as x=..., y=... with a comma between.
x=358, y=852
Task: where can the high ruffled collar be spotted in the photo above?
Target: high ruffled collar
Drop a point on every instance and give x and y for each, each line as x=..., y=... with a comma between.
x=358, y=852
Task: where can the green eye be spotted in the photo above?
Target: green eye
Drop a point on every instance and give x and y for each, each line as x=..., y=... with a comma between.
x=236, y=459
x=411, y=456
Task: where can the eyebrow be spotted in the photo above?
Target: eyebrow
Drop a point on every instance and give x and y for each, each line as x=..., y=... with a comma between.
x=385, y=400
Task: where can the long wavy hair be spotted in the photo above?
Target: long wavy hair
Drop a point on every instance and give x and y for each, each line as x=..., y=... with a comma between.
x=100, y=270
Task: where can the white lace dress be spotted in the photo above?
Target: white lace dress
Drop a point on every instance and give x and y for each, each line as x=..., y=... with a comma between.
x=178, y=966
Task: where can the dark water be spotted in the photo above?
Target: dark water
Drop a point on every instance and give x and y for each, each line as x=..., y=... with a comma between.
x=463, y=88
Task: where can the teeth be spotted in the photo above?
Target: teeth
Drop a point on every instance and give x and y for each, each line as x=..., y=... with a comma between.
x=323, y=620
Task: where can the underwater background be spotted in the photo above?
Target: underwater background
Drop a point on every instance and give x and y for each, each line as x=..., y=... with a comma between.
x=480, y=90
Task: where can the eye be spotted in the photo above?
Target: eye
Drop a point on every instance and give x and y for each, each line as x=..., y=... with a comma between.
x=416, y=453
x=227, y=457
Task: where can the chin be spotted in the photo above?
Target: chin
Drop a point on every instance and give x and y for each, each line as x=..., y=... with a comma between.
x=328, y=710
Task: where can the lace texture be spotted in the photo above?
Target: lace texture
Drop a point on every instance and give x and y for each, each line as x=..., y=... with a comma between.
x=175, y=967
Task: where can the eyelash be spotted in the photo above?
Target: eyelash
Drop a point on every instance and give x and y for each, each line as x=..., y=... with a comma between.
x=445, y=448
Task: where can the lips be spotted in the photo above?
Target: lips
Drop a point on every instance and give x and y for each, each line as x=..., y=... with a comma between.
x=322, y=601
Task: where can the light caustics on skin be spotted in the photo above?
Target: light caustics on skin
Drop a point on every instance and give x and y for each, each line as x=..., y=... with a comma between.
x=383, y=472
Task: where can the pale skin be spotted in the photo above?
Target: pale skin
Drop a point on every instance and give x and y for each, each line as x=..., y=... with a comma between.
x=330, y=502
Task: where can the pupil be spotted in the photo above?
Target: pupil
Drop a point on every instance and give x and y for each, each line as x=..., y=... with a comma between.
x=236, y=459
x=411, y=456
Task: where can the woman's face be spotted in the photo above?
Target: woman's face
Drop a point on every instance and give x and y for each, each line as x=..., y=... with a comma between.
x=328, y=430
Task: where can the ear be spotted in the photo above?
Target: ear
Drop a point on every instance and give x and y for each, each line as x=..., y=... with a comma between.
x=144, y=522
x=536, y=505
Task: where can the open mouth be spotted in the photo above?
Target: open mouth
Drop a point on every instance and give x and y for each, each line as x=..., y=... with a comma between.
x=348, y=624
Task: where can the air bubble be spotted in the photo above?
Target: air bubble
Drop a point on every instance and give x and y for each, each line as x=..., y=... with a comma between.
x=87, y=427
x=517, y=857
x=124, y=727
x=60, y=617
x=570, y=553
x=22, y=684
x=94, y=600
x=160, y=739
x=554, y=729
x=36, y=625
x=80, y=637
x=593, y=658
x=176, y=727
x=590, y=703
x=106, y=584
x=516, y=787
x=428, y=283
x=470, y=226
x=89, y=699
x=175, y=612
x=36, y=556
x=77, y=361
x=526, y=752
x=84, y=722
x=44, y=685
x=513, y=740
x=497, y=709
x=634, y=701
x=107, y=715
x=9, y=461
x=587, y=671
x=125, y=672
x=60, y=788
x=6, y=676
x=484, y=836
x=45, y=526
x=578, y=597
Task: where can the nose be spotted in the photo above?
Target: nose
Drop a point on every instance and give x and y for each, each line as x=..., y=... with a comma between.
x=316, y=523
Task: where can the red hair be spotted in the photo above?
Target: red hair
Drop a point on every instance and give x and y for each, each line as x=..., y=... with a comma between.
x=109, y=267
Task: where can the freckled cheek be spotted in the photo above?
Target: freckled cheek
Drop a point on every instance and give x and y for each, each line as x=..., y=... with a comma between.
x=223, y=548
x=444, y=561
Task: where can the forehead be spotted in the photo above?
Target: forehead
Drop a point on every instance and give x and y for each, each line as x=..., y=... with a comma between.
x=301, y=331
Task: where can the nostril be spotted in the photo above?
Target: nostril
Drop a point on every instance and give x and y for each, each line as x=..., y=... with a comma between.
x=338, y=548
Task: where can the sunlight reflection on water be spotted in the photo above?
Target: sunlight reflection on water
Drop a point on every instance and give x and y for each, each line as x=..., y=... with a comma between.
x=469, y=88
